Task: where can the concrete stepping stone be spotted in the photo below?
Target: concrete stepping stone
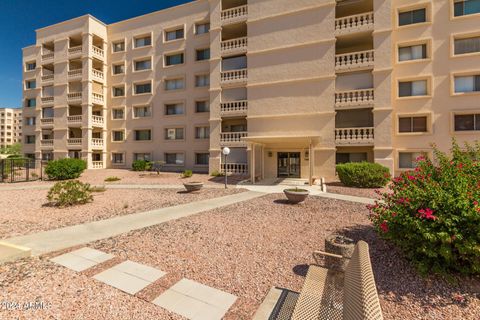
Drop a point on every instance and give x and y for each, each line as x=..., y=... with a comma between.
x=195, y=301
x=81, y=259
x=130, y=277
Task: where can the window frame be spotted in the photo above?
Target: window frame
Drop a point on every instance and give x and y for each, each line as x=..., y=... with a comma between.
x=453, y=75
x=142, y=59
x=27, y=63
x=175, y=102
x=417, y=6
x=115, y=64
x=197, y=50
x=119, y=41
x=207, y=127
x=142, y=83
x=428, y=121
x=117, y=87
x=202, y=75
x=165, y=136
x=175, y=29
x=474, y=112
x=117, y=163
x=201, y=164
x=452, y=12
x=195, y=27
x=142, y=129
x=117, y=108
x=166, y=80
x=428, y=50
x=167, y=55
x=427, y=78
x=174, y=164
x=124, y=138
x=134, y=107
x=142, y=36
x=461, y=36
x=202, y=100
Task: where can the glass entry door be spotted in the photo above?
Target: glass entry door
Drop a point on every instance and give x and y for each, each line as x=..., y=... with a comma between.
x=288, y=164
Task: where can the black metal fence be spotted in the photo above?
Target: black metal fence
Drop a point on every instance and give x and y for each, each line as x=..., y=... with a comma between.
x=21, y=169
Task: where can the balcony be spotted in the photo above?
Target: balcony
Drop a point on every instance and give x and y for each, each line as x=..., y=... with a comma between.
x=234, y=15
x=354, y=98
x=356, y=23
x=75, y=73
x=234, y=76
x=97, y=98
x=233, y=138
x=97, y=74
x=48, y=56
x=234, y=108
x=47, y=100
x=98, y=52
x=354, y=61
x=75, y=50
x=47, y=121
x=76, y=119
x=97, y=121
x=234, y=46
x=46, y=142
x=235, y=168
x=354, y=136
x=97, y=143
x=47, y=78
x=97, y=164
x=74, y=96
x=74, y=141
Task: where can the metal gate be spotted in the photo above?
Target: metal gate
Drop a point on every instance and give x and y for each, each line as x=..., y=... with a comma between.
x=20, y=169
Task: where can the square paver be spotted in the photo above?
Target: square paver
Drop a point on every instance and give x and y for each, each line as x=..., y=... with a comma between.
x=129, y=276
x=82, y=259
x=195, y=301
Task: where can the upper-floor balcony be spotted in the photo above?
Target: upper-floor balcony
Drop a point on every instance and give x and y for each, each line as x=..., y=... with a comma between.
x=74, y=96
x=354, y=98
x=75, y=50
x=355, y=23
x=97, y=143
x=75, y=73
x=74, y=119
x=48, y=55
x=234, y=46
x=362, y=136
x=47, y=100
x=46, y=121
x=354, y=61
x=233, y=138
x=97, y=121
x=98, y=52
x=238, y=76
x=234, y=15
x=46, y=142
x=74, y=141
x=98, y=98
x=97, y=75
x=48, y=78
x=234, y=108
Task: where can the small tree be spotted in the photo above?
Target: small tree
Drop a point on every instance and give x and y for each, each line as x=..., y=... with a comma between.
x=14, y=149
x=69, y=193
x=64, y=169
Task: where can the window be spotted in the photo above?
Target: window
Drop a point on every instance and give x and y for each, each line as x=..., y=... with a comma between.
x=412, y=52
x=142, y=135
x=174, y=158
x=174, y=84
x=30, y=103
x=29, y=66
x=174, y=59
x=174, y=134
x=29, y=139
x=201, y=159
x=118, y=68
x=203, y=54
x=142, y=88
x=119, y=46
x=466, y=7
x=142, y=156
x=202, y=80
x=143, y=64
x=142, y=112
x=412, y=124
x=467, y=84
x=118, y=114
x=467, y=122
x=47, y=113
x=407, y=160
x=201, y=28
x=341, y=157
x=202, y=106
x=202, y=132
x=467, y=45
x=30, y=84
x=118, y=135
x=47, y=156
x=411, y=17
x=117, y=158
x=143, y=41
x=30, y=121
x=118, y=91
x=174, y=34
x=174, y=108
x=412, y=88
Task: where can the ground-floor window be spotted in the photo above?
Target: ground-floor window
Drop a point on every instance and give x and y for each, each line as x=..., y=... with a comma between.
x=174, y=158
x=406, y=160
x=142, y=156
x=350, y=157
x=202, y=158
x=75, y=154
x=117, y=158
x=96, y=157
x=47, y=156
x=30, y=155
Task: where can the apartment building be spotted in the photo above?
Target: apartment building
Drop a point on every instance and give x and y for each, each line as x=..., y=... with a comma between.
x=10, y=126
x=291, y=87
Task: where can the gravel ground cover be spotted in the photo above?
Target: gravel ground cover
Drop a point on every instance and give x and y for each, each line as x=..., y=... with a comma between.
x=23, y=212
x=243, y=249
x=338, y=187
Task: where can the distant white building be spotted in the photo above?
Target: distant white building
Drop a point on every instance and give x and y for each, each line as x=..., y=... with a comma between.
x=10, y=126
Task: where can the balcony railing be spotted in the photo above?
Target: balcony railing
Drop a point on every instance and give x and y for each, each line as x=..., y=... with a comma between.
x=74, y=96
x=234, y=76
x=74, y=141
x=354, y=136
x=75, y=73
x=46, y=142
x=47, y=77
x=97, y=120
x=97, y=74
x=75, y=50
x=75, y=119
x=98, y=52
x=97, y=164
x=238, y=45
x=232, y=138
x=46, y=121
x=96, y=142
x=355, y=23
x=48, y=56
x=47, y=99
x=234, y=107
x=97, y=97
x=234, y=15
x=354, y=60
x=235, y=168
x=354, y=98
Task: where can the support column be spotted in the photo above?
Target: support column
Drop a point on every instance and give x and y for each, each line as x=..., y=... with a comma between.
x=252, y=169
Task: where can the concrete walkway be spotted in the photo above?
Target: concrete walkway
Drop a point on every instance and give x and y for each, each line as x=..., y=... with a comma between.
x=53, y=240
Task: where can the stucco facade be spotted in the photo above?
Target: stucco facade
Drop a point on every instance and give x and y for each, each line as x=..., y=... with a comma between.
x=291, y=87
x=10, y=126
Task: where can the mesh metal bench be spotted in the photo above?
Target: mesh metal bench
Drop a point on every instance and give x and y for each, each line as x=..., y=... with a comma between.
x=349, y=295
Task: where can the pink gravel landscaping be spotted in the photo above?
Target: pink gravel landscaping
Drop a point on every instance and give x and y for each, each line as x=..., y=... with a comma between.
x=243, y=249
x=23, y=212
x=339, y=188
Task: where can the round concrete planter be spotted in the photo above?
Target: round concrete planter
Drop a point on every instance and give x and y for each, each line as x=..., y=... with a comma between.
x=193, y=186
x=296, y=195
x=341, y=245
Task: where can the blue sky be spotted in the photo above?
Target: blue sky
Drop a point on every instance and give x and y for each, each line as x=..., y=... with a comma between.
x=20, y=18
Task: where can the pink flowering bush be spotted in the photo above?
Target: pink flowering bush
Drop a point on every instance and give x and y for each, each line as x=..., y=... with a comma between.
x=433, y=213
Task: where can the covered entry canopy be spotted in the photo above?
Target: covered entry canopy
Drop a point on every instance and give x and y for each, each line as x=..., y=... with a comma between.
x=279, y=142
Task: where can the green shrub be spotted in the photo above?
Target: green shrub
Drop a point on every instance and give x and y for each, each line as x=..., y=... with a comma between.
x=363, y=174
x=64, y=169
x=187, y=174
x=216, y=173
x=69, y=193
x=112, y=179
x=433, y=212
x=141, y=165
x=98, y=189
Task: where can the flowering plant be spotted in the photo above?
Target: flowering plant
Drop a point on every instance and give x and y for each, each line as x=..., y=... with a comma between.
x=433, y=214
